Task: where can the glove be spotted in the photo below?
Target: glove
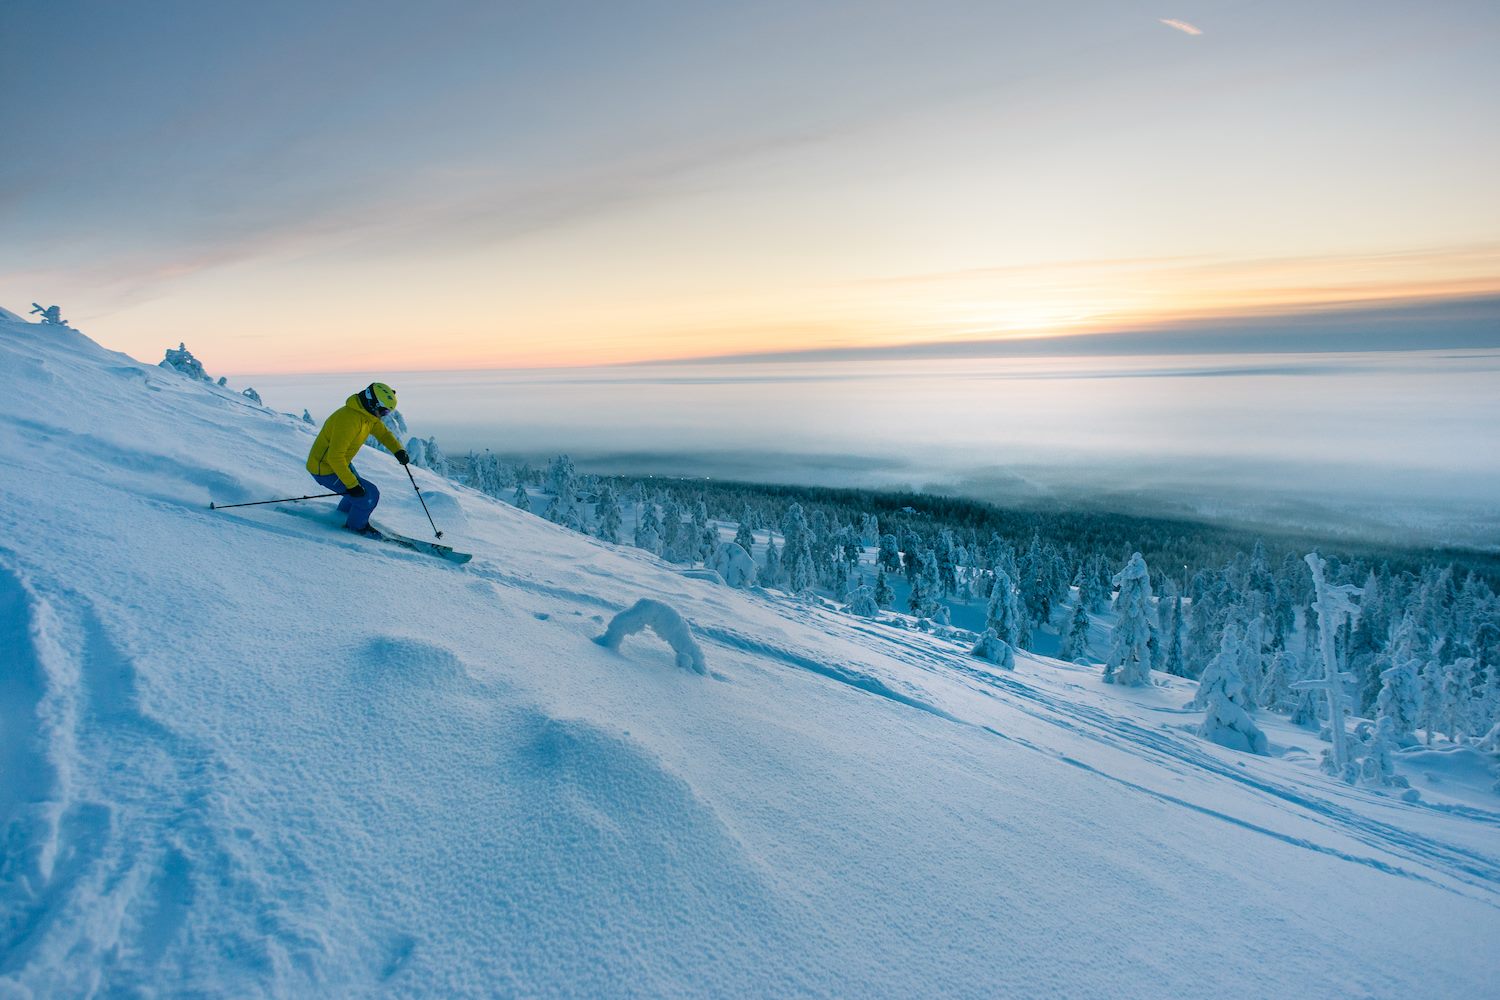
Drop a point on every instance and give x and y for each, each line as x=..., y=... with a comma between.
x=357, y=490
x=403, y=457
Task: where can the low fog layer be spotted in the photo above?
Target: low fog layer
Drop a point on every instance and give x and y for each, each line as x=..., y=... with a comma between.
x=1376, y=443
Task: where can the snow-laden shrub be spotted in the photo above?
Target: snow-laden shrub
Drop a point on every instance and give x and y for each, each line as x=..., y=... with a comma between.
x=307, y=418
x=734, y=564
x=662, y=619
x=182, y=361
x=994, y=649
x=861, y=601
x=251, y=395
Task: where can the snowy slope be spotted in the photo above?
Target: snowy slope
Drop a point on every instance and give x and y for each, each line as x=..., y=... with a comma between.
x=244, y=753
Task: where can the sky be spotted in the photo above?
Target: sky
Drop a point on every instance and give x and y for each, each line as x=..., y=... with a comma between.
x=295, y=187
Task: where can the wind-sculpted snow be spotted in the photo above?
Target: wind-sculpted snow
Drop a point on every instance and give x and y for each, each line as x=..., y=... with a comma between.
x=247, y=754
x=665, y=621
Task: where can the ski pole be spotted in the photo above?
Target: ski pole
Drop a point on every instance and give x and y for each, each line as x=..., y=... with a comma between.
x=424, y=502
x=257, y=503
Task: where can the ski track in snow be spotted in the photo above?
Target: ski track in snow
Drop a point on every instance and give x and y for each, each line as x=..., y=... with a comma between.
x=1470, y=868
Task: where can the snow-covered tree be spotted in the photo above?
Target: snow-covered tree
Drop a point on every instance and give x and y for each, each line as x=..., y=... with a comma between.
x=889, y=556
x=994, y=649
x=1459, y=716
x=1377, y=766
x=1334, y=605
x=861, y=601
x=884, y=595
x=648, y=528
x=1222, y=694
x=521, y=499
x=251, y=395
x=770, y=565
x=307, y=418
x=1173, y=660
x=424, y=453
x=1003, y=613
x=671, y=531
x=733, y=564
x=608, y=514
x=182, y=361
x=796, y=558
x=1075, y=644
x=1130, y=645
x=744, y=535
x=1430, y=687
x=1400, y=700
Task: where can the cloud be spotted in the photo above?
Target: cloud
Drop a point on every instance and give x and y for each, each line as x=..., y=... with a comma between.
x=1182, y=26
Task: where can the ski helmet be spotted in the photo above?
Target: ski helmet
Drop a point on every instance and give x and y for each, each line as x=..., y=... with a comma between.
x=378, y=398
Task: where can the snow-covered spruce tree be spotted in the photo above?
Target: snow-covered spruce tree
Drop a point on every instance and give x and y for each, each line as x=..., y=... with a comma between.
x=705, y=535
x=1174, y=661
x=307, y=418
x=521, y=499
x=994, y=649
x=560, y=473
x=648, y=528
x=425, y=454
x=1075, y=644
x=796, y=558
x=1334, y=605
x=861, y=601
x=1459, y=717
x=671, y=531
x=884, y=595
x=1003, y=613
x=1252, y=660
x=610, y=517
x=183, y=362
x=1430, y=688
x=1222, y=694
x=1400, y=700
x=1377, y=766
x=770, y=565
x=931, y=586
x=744, y=535
x=733, y=564
x=889, y=556
x=869, y=531
x=1129, y=660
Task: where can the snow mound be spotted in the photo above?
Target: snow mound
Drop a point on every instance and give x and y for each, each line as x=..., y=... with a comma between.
x=447, y=513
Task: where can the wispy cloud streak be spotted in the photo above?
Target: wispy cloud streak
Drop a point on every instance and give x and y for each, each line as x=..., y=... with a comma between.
x=1182, y=26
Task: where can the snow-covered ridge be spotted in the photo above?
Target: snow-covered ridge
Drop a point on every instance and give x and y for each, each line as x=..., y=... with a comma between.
x=243, y=753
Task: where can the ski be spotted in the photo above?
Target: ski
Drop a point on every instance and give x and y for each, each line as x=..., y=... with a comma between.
x=418, y=545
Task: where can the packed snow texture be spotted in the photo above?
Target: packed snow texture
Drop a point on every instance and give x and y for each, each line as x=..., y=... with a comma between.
x=244, y=753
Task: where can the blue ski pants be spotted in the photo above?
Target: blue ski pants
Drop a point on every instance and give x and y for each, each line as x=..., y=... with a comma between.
x=359, y=509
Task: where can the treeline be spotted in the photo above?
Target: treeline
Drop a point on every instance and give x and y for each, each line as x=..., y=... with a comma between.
x=1421, y=656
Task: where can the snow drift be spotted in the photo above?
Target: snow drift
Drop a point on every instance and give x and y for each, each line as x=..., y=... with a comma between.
x=247, y=754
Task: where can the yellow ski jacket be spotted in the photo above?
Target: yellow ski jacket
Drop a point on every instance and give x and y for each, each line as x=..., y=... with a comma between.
x=341, y=437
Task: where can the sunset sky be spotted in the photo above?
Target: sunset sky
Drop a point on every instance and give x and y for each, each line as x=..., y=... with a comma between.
x=325, y=187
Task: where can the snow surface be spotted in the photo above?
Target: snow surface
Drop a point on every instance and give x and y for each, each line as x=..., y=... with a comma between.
x=245, y=753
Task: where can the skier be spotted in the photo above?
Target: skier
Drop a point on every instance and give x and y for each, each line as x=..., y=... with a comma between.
x=340, y=438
